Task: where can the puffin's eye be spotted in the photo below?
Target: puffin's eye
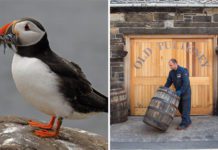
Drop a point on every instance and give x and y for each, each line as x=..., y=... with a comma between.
x=27, y=28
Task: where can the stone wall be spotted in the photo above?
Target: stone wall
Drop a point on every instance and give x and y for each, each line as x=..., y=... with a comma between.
x=163, y=21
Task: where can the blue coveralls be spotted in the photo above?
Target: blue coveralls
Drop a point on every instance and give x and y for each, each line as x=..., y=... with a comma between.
x=180, y=79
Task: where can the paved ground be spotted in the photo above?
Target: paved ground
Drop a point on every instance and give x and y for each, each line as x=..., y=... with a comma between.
x=134, y=134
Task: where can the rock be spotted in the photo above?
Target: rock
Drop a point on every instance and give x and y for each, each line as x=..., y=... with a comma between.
x=16, y=134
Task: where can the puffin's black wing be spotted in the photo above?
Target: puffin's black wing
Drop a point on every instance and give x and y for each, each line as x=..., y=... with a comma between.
x=71, y=75
x=74, y=85
x=95, y=101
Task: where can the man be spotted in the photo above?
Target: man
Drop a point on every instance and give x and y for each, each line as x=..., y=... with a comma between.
x=179, y=76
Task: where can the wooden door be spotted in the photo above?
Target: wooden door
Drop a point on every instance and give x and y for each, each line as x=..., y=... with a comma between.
x=149, y=70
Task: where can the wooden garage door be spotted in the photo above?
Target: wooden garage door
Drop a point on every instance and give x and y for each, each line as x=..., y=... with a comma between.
x=149, y=69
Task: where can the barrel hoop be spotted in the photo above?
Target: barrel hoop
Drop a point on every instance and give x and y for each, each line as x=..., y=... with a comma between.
x=160, y=99
x=149, y=118
x=168, y=91
x=172, y=95
x=153, y=108
x=119, y=101
x=117, y=93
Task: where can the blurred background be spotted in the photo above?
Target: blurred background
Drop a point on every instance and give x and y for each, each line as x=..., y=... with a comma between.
x=77, y=31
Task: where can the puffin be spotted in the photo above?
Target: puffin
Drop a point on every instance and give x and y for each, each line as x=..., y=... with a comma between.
x=50, y=83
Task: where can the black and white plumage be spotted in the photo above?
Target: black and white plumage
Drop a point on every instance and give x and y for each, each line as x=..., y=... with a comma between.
x=50, y=83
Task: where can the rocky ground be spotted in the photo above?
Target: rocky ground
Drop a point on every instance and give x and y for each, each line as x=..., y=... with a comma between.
x=16, y=134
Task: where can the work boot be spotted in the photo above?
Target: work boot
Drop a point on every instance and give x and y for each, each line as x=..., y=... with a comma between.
x=183, y=127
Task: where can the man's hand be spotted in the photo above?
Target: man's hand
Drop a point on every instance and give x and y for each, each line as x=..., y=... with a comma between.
x=178, y=93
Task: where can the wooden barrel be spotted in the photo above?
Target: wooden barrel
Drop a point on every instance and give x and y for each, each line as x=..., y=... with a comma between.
x=162, y=109
x=119, y=106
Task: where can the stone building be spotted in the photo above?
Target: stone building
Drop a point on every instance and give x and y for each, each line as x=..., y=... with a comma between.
x=145, y=34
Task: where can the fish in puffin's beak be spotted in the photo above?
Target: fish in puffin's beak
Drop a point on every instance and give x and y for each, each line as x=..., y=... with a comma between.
x=7, y=37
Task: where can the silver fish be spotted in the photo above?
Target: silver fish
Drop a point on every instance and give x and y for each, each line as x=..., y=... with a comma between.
x=8, y=41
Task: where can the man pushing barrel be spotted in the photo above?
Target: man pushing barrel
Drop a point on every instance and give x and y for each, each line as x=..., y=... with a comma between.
x=179, y=76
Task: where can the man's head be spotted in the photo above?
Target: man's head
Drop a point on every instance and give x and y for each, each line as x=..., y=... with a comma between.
x=173, y=64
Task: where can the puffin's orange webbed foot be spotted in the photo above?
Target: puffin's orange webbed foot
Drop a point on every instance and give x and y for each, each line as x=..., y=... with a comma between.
x=46, y=133
x=40, y=125
x=43, y=125
x=49, y=134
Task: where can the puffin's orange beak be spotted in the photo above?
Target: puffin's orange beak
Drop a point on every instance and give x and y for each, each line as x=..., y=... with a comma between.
x=5, y=28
